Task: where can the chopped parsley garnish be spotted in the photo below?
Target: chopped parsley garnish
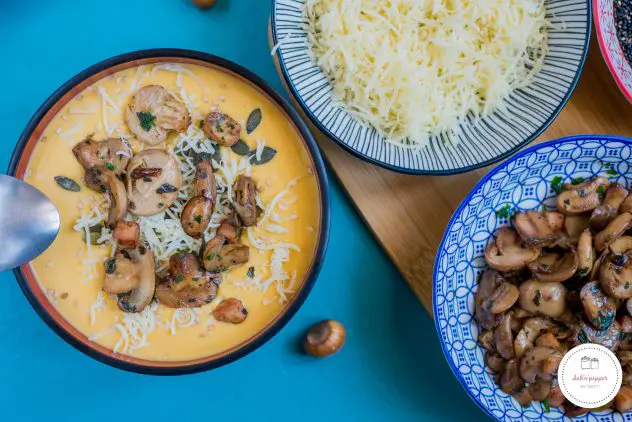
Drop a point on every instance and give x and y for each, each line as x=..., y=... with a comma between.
x=198, y=218
x=210, y=256
x=505, y=212
x=601, y=190
x=537, y=299
x=110, y=166
x=179, y=277
x=612, y=172
x=110, y=266
x=147, y=120
x=545, y=405
x=577, y=181
x=251, y=272
x=556, y=184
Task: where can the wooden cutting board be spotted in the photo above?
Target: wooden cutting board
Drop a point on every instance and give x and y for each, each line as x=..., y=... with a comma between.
x=408, y=214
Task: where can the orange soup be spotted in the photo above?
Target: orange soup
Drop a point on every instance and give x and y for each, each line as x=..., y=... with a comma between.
x=278, y=245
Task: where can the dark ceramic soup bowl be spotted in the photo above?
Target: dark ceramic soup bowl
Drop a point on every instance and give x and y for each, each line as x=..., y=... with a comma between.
x=68, y=91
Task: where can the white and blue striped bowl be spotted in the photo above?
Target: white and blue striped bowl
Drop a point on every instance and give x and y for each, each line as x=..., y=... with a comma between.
x=523, y=182
x=529, y=111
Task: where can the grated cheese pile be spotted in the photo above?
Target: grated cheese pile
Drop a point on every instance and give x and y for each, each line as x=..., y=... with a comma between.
x=413, y=68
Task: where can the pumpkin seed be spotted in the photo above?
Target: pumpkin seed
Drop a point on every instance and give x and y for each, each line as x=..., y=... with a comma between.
x=67, y=183
x=241, y=148
x=94, y=234
x=110, y=266
x=166, y=188
x=253, y=120
x=217, y=153
x=266, y=155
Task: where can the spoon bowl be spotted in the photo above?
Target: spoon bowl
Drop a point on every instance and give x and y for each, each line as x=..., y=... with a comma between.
x=29, y=222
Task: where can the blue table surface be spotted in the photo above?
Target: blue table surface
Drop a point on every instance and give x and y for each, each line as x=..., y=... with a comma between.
x=390, y=369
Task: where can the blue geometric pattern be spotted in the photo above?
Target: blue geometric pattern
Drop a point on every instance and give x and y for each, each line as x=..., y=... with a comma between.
x=523, y=182
x=528, y=110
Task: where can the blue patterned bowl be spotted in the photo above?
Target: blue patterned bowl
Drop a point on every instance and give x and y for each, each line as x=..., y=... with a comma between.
x=529, y=111
x=523, y=182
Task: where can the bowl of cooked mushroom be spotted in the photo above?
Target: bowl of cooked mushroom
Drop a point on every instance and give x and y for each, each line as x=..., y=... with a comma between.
x=535, y=261
x=194, y=212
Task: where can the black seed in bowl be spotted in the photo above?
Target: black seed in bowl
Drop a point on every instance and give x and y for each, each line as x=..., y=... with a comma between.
x=623, y=24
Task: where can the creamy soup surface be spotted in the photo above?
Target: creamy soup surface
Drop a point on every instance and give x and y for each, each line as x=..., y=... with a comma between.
x=72, y=271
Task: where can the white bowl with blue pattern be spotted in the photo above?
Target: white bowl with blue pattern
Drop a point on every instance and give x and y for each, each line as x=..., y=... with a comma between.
x=523, y=182
x=529, y=110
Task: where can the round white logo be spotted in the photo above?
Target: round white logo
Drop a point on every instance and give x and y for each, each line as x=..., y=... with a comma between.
x=590, y=376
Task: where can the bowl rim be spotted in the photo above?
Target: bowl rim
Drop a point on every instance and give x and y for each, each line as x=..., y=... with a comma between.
x=457, y=211
x=405, y=170
x=125, y=362
x=606, y=54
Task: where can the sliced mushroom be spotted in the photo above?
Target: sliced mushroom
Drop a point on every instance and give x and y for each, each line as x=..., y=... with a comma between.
x=487, y=284
x=621, y=244
x=111, y=154
x=486, y=339
x=585, y=253
x=623, y=399
x=507, y=252
x=217, y=255
x=221, y=128
x=606, y=212
x=245, y=191
x=625, y=357
x=628, y=306
x=106, y=182
x=153, y=112
x=548, y=340
x=600, y=309
x=540, y=389
x=503, y=298
x=539, y=229
x=503, y=338
x=149, y=196
x=616, y=228
x=230, y=310
x=543, y=298
x=196, y=215
x=510, y=381
x=141, y=296
x=205, y=184
x=554, y=268
x=174, y=295
x=586, y=333
x=496, y=363
x=583, y=197
x=625, y=321
x=122, y=273
x=574, y=225
x=523, y=397
x=530, y=331
x=185, y=269
x=556, y=398
x=615, y=275
x=188, y=285
x=540, y=363
x=126, y=234
x=626, y=206
x=229, y=231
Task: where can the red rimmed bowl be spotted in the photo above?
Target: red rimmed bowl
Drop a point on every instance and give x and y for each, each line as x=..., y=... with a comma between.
x=620, y=68
x=31, y=136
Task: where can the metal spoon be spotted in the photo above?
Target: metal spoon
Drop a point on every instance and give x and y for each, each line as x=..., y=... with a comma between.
x=29, y=222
